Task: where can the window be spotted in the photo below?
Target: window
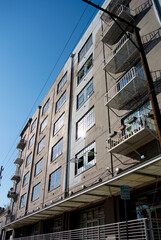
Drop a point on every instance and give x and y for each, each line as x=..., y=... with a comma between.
x=25, y=179
x=157, y=8
x=62, y=82
x=85, y=123
x=28, y=160
x=38, y=167
x=59, y=124
x=31, y=141
x=23, y=200
x=57, y=150
x=36, y=192
x=41, y=145
x=33, y=125
x=85, y=48
x=43, y=125
x=85, y=159
x=137, y=119
x=84, y=70
x=45, y=107
x=55, y=179
x=85, y=94
x=60, y=101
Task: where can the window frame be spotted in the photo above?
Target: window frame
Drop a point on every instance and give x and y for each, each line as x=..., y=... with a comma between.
x=62, y=82
x=83, y=93
x=33, y=193
x=25, y=183
x=46, y=106
x=59, y=101
x=61, y=118
x=31, y=141
x=36, y=164
x=85, y=123
x=23, y=200
x=84, y=69
x=33, y=125
x=85, y=48
x=55, y=174
x=45, y=120
x=56, y=146
x=27, y=163
x=40, y=142
x=84, y=156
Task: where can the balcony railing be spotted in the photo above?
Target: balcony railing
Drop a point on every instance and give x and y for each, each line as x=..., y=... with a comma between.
x=113, y=31
x=123, y=53
x=18, y=161
x=16, y=177
x=139, y=133
x=12, y=194
x=112, y=7
x=130, y=85
x=21, y=144
x=141, y=229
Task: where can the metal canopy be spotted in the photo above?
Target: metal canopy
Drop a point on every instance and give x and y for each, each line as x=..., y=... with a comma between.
x=135, y=177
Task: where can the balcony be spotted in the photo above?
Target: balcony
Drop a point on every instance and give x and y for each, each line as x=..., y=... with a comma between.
x=128, y=87
x=123, y=55
x=12, y=194
x=139, y=133
x=18, y=161
x=113, y=31
x=21, y=144
x=16, y=177
x=112, y=7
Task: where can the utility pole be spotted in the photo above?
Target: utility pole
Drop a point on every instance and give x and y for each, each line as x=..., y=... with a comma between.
x=1, y=170
x=149, y=80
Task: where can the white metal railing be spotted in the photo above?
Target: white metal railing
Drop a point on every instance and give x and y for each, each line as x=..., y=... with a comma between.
x=132, y=230
x=143, y=122
x=121, y=9
x=128, y=77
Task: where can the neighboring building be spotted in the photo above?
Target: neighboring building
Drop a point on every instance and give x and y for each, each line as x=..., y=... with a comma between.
x=93, y=133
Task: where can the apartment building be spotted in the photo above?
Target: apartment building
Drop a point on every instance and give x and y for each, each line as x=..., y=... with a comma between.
x=90, y=157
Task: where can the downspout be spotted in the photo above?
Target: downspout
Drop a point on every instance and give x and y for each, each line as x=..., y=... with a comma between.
x=66, y=194
x=32, y=162
x=109, y=130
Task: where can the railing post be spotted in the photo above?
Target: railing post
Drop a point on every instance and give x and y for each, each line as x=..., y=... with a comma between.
x=145, y=228
x=119, y=235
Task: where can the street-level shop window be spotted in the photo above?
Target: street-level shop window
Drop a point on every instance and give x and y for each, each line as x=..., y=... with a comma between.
x=57, y=150
x=43, y=125
x=85, y=69
x=45, y=107
x=55, y=179
x=28, y=160
x=62, y=82
x=36, y=192
x=59, y=124
x=26, y=179
x=60, y=102
x=38, y=167
x=83, y=125
x=85, y=159
x=41, y=145
x=33, y=125
x=85, y=48
x=23, y=200
x=85, y=94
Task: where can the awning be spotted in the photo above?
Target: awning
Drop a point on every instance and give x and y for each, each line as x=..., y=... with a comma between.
x=135, y=177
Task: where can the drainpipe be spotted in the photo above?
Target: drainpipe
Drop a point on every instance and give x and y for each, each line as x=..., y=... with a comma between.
x=32, y=162
x=66, y=194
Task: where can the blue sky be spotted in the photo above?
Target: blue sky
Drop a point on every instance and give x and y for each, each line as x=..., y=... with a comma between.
x=33, y=34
